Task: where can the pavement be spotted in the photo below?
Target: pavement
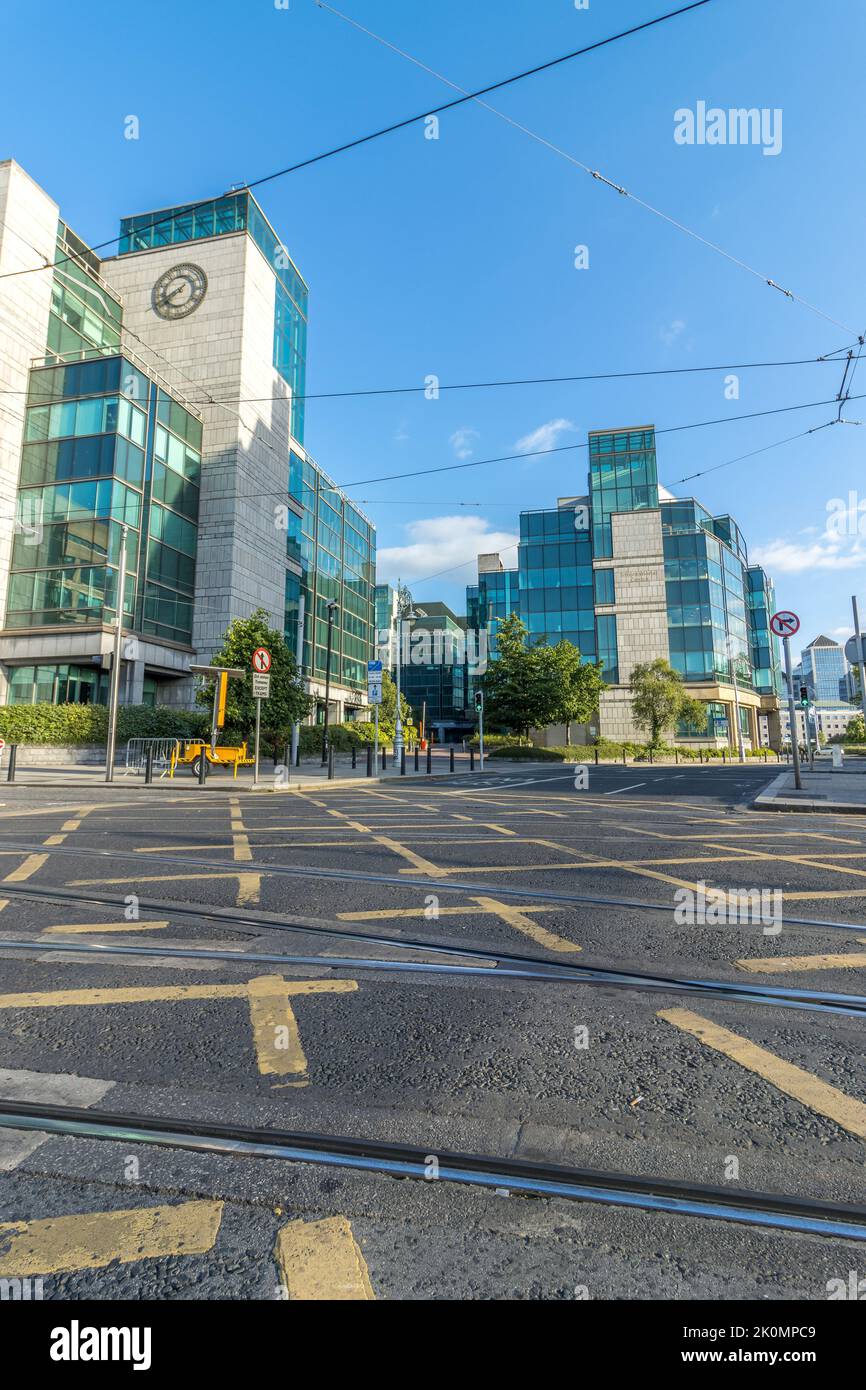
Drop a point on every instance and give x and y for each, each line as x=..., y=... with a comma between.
x=355, y=884
x=841, y=791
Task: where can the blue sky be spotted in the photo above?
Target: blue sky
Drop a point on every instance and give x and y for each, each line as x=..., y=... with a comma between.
x=455, y=256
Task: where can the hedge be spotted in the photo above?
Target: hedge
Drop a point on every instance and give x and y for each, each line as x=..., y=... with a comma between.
x=72, y=725
x=519, y=752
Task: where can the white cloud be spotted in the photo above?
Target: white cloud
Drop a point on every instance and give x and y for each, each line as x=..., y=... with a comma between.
x=545, y=437
x=440, y=542
x=827, y=553
x=841, y=633
x=461, y=440
x=672, y=331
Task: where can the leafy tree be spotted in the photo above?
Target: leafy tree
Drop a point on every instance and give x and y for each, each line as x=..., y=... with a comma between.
x=578, y=685
x=520, y=686
x=288, y=701
x=660, y=699
x=855, y=732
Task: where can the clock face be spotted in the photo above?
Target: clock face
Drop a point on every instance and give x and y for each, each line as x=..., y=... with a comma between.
x=179, y=291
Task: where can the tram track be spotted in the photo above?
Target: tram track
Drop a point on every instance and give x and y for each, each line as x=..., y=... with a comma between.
x=745, y=1207
x=418, y=881
x=487, y=964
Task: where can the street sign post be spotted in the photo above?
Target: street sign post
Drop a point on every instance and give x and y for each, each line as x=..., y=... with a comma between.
x=859, y=658
x=261, y=664
x=784, y=625
x=374, y=697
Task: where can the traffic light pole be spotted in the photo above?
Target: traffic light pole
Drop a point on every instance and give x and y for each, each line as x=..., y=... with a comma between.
x=792, y=716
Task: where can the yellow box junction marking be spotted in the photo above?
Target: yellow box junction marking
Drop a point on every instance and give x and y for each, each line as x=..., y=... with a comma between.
x=322, y=1261
x=419, y=865
x=770, y=965
x=791, y=1080
x=514, y=917
x=31, y=864
x=80, y=928
x=275, y=1030
x=95, y=1239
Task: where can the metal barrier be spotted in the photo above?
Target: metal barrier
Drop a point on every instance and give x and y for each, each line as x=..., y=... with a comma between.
x=160, y=749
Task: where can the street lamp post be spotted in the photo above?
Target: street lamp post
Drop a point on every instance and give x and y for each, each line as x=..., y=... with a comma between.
x=741, y=751
x=409, y=615
x=332, y=609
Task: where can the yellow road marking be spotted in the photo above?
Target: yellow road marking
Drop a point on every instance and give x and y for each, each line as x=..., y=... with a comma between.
x=82, y=927
x=383, y=914
x=275, y=1030
x=421, y=865
x=95, y=1239
x=27, y=869
x=769, y=965
x=249, y=884
x=826, y=1100
x=321, y=1260
x=240, y=842
x=514, y=917
x=176, y=848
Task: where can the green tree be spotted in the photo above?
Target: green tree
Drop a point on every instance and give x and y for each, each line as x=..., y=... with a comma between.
x=288, y=701
x=578, y=685
x=659, y=700
x=520, y=686
x=855, y=732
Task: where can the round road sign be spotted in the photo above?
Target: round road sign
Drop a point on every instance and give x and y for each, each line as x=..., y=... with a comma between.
x=261, y=660
x=785, y=624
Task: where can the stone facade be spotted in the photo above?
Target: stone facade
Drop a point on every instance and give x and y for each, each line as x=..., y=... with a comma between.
x=640, y=610
x=223, y=350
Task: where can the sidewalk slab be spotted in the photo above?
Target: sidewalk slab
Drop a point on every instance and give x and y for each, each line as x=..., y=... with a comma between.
x=837, y=793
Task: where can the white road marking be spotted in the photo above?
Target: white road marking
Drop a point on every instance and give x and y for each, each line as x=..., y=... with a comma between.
x=625, y=789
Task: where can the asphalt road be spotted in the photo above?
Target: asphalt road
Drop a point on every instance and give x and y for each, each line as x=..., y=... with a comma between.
x=658, y=1082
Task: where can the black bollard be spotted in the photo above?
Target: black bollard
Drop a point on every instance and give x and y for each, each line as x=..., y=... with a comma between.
x=13, y=758
x=471, y=759
x=369, y=760
x=403, y=761
x=330, y=762
x=202, y=768
x=429, y=757
x=148, y=767
x=416, y=757
x=354, y=757
x=451, y=760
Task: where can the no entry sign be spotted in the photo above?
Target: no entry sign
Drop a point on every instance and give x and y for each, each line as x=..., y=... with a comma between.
x=261, y=661
x=785, y=624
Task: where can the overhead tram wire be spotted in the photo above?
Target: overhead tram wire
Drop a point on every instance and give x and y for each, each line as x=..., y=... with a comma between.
x=542, y=453
x=395, y=126
x=585, y=168
x=209, y=399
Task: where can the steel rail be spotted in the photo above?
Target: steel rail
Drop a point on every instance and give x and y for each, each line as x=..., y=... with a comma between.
x=746, y=1207
x=444, y=885
x=816, y=1001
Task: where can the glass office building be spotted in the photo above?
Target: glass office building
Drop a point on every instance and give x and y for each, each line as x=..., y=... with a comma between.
x=628, y=573
x=332, y=547
x=825, y=671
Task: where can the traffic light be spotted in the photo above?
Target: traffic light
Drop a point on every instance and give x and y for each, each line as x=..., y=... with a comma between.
x=479, y=702
x=804, y=696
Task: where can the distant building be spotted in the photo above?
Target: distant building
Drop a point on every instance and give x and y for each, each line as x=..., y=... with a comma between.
x=628, y=573
x=824, y=669
x=434, y=673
